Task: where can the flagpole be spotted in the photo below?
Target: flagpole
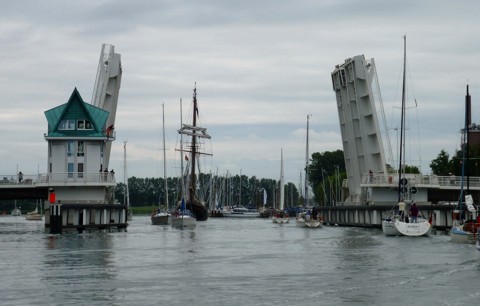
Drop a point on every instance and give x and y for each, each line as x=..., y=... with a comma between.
x=181, y=152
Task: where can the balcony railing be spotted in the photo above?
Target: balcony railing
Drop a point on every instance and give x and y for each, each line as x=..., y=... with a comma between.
x=64, y=177
x=455, y=182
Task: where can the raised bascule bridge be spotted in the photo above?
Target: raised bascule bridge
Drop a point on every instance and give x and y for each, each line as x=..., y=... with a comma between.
x=367, y=197
x=78, y=189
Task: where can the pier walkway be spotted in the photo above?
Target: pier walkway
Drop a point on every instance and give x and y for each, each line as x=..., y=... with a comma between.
x=35, y=186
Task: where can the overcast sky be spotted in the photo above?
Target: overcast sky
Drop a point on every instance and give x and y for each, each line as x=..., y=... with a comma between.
x=260, y=68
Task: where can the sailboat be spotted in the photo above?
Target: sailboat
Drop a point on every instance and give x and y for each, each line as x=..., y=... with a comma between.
x=160, y=217
x=16, y=211
x=308, y=219
x=397, y=225
x=193, y=204
x=281, y=217
x=240, y=211
x=34, y=215
x=126, y=195
x=464, y=231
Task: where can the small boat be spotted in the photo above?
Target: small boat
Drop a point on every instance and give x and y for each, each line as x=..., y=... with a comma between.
x=462, y=234
x=183, y=218
x=34, y=215
x=389, y=228
x=464, y=231
x=240, y=212
x=16, y=211
x=281, y=217
x=160, y=217
x=402, y=224
x=304, y=219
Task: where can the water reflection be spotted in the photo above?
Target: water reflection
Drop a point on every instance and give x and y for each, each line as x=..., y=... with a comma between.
x=234, y=262
x=80, y=264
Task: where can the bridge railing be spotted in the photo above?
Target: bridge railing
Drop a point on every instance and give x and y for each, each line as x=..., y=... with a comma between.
x=420, y=179
x=14, y=179
x=63, y=177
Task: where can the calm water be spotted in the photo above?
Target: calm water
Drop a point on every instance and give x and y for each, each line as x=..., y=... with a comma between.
x=232, y=262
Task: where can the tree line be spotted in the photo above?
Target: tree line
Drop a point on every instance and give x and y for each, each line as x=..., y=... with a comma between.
x=326, y=172
x=220, y=190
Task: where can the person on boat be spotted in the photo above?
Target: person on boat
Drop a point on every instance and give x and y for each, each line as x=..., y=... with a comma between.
x=414, y=212
x=20, y=177
x=314, y=213
x=370, y=176
x=401, y=209
x=307, y=216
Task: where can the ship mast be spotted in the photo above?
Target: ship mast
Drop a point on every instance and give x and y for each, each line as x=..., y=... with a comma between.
x=401, y=187
x=191, y=190
x=306, y=163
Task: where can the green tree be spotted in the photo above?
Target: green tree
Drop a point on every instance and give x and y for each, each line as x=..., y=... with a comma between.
x=441, y=165
x=412, y=169
x=326, y=173
x=224, y=190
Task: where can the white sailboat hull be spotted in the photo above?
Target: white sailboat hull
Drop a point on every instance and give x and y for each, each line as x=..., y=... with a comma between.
x=414, y=229
x=34, y=217
x=389, y=228
x=400, y=228
x=161, y=219
x=240, y=213
x=184, y=222
x=458, y=235
x=16, y=212
x=300, y=222
x=280, y=220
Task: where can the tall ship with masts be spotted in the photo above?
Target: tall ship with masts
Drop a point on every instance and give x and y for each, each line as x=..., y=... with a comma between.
x=196, y=134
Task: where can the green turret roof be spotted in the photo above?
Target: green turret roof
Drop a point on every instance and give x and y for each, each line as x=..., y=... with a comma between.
x=76, y=110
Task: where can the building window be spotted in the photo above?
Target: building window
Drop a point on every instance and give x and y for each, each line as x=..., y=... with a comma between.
x=84, y=125
x=70, y=170
x=70, y=146
x=80, y=151
x=80, y=170
x=67, y=124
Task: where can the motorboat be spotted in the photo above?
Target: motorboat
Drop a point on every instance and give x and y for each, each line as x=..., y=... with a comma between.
x=241, y=212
